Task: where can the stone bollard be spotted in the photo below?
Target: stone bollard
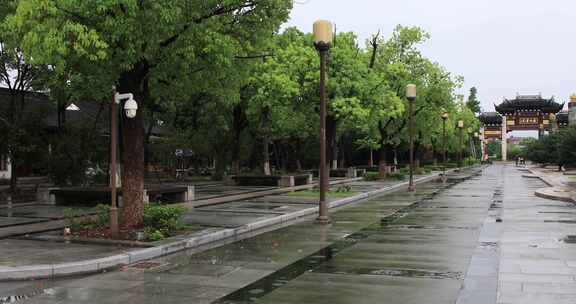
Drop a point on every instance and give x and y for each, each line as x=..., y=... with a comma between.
x=191, y=193
x=310, y=179
x=229, y=180
x=351, y=172
x=286, y=181
x=45, y=196
x=145, y=197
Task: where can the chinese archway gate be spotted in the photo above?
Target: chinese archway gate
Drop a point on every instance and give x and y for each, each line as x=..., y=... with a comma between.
x=525, y=113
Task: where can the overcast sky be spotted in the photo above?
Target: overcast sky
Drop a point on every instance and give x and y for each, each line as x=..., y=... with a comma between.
x=500, y=46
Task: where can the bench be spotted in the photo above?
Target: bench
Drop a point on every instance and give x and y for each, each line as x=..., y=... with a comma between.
x=101, y=195
x=273, y=180
x=350, y=172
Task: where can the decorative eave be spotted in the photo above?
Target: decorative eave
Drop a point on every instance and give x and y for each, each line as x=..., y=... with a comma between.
x=490, y=118
x=529, y=103
x=562, y=118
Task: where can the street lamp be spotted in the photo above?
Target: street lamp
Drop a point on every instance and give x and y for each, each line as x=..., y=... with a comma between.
x=444, y=118
x=323, y=42
x=461, y=128
x=130, y=108
x=411, y=96
x=470, y=143
x=476, y=138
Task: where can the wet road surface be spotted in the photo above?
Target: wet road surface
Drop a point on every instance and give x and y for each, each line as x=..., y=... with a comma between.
x=454, y=243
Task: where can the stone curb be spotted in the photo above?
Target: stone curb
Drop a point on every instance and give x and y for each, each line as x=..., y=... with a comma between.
x=131, y=257
x=548, y=193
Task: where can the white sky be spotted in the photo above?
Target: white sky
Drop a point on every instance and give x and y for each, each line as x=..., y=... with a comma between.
x=500, y=46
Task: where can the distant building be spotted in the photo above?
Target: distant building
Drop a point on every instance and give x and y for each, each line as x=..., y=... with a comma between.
x=52, y=117
x=515, y=140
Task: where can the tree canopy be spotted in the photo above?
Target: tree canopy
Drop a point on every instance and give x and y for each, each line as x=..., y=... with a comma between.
x=222, y=80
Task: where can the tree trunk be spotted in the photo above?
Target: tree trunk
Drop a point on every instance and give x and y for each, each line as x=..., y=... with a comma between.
x=134, y=82
x=266, y=155
x=371, y=159
x=382, y=161
x=298, y=165
x=239, y=123
x=417, y=155
x=219, y=166
x=13, y=174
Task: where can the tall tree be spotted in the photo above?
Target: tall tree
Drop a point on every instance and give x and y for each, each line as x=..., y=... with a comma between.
x=473, y=103
x=18, y=75
x=157, y=50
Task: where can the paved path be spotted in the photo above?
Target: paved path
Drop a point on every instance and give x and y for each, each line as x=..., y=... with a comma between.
x=45, y=255
x=537, y=250
x=381, y=238
x=486, y=240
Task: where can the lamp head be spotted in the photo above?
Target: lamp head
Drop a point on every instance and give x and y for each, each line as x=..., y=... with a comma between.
x=411, y=91
x=445, y=115
x=323, y=34
x=131, y=107
x=461, y=124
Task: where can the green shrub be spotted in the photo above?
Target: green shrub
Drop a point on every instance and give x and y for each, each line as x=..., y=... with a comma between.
x=422, y=171
x=398, y=175
x=371, y=176
x=343, y=188
x=71, y=216
x=78, y=221
x=102, y=215
x=162, y=220
x=154, y=235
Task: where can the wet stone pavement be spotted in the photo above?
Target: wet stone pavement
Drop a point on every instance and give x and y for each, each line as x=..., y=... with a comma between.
x=485, y=240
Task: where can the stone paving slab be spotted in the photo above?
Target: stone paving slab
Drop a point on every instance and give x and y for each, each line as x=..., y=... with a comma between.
x=43, y=211
x=16, y=252
x=338, y=288
x=206, y=276
x=43, y=226
x=534, y=264
x=222, y=219
x=192, y=241
x=13, y=221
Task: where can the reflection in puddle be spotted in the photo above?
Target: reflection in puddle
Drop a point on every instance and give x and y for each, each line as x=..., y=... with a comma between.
x=569, y=239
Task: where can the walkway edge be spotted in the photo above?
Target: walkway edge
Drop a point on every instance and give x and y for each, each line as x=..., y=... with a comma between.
x=131, y=257
x=554, y=191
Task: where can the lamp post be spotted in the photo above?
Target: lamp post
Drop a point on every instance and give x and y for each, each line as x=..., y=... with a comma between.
x=130, y=107
x=470, y=143
x=411, y=96
x=461, y=129
x=444, y=118
x=476, y=137
x=323, y=42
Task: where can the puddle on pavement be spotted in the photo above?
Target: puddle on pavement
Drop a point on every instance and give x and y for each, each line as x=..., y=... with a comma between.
x=561, y=221
x=491, y=246
x=258, y=289
x=430, y=227
x=409, y=273
x=569, y=239
x=317, y=260
x=556, y=212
